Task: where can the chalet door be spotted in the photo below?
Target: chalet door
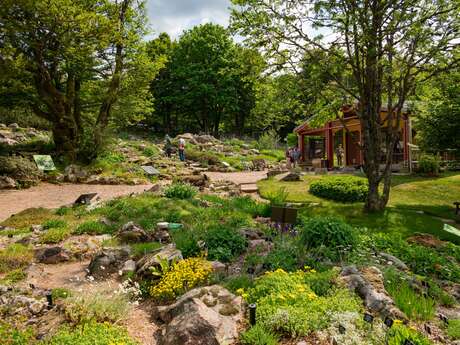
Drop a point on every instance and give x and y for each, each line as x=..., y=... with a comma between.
x=352, y=149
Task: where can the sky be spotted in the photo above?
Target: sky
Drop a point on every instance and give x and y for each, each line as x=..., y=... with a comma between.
x=175, y=16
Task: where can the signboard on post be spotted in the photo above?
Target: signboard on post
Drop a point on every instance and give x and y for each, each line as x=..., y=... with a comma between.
x=150, y=170
x=44, y=162
x=284, y=215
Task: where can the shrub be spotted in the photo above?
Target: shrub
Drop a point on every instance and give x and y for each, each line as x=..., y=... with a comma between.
x=224, y=243
x=96, y=307
x=186, y=242
x=327, y=236
x=91, y=333
x=235, y=283
x=398, y=334
x=320, y=282
x=428, y=164
x=55, y=235
x=92, y=227
x=180, y=191
x=340, y=188
x=414, y=305
x=182, y=276
x=257, y=335
x=287, y=305
x=269, y=140
x=15, y=256
x=284, y=255
x=453, y=330
x=247, y=204
x=279, y=197
x=60, y=293
x=12, y=336
x=292, y=139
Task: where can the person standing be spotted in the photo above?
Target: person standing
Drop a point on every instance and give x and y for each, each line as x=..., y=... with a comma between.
x=182, y=149
x=339, y=152
x=292, y=157
x=168, y=146
x=288, y=158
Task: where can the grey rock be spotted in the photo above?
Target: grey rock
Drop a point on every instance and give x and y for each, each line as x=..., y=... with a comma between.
x=162, y=236
x=128, y=267
x=37, y=307
x=218, y=267
x=203, y=316
x=37, y=228
x=52, y=255
x=169, y=253
x=131, y=232
x=107, y=262
x=395, y=261
x=291, y=177
x=7, y=182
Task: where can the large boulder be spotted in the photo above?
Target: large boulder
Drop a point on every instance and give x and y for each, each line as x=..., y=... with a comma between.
x=52, y=255
x=107, y=262
x=196, y=180
x=132, y=233
x=368, y=284
x=203, y=316
x=24, y=171
x=291, y=177
x=74, y=173
x=154, y=259
x=7, y=182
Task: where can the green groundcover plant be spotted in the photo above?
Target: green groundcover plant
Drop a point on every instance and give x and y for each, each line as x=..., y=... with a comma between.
x=340, y=188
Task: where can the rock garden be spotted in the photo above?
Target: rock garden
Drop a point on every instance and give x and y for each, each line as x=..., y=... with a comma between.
x=179, y=266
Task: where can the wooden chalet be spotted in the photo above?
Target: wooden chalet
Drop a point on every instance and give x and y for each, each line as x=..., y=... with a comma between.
x=318, y=144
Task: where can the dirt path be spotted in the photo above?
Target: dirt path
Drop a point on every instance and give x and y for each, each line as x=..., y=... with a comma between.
x=53, y=196
x=246, y=177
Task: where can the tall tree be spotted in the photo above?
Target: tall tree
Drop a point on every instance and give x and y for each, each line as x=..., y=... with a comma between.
x=68, y=47
x=385, y=46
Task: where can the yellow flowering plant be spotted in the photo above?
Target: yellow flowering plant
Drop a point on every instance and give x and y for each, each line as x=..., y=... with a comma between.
x=181, y=277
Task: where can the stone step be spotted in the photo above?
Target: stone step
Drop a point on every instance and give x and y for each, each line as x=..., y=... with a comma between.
x=249, y=188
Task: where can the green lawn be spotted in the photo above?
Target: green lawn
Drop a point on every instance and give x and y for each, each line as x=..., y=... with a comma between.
x=409, y=196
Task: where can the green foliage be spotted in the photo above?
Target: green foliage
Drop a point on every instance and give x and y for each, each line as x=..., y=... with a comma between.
x=237, y=282
x=180, y=191
x=287, y=305
x=257, y=335
x=187, y=243
x=15, y=256
x=61, y=293
x=285, y=255
x=248, y=205
x=428, y=164
x=292, y=139
x=278, y=197
x=92, y=227
x=399, y=333
x=55, y=235
x=54, y=223
x=96, y=307
x=269, y=140
x=439, y=295
x=340, y=188
x=327, y=236
x=13, y=336
x=91, y=333
x=224, y=243
x=411, y=303
x=421, y=260
x=453, y=329
x=321, y=283
x=141, y=249
x=13, y=277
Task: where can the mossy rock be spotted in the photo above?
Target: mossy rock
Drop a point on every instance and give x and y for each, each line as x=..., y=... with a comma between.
x=228, y=310
x=24, y=171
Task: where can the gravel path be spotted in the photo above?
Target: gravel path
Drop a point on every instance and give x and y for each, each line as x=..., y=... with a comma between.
x=246, y=177
x=53, y=196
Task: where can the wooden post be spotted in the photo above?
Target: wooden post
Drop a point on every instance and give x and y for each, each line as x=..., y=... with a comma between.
x=329, y=146
x=300, y=142
x=405, y=138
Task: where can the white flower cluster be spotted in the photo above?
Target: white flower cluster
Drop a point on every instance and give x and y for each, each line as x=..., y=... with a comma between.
x=131, y=289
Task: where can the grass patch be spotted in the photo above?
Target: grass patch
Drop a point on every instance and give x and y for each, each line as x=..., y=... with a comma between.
x=27, y=217
x=15, y=256
x=141, y=249
x=453, y=329
x=55, y=235
x=13, y=277
x=93, y=227
x=54, y=223
x=415, y=306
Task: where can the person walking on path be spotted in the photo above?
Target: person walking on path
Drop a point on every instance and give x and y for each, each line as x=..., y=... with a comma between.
x=296, y=156
x=182, y=149
x=339, y=153
x=292, y=155
x=168, y=146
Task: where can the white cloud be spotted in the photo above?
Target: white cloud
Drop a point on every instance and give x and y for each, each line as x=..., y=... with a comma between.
x=175, y=16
